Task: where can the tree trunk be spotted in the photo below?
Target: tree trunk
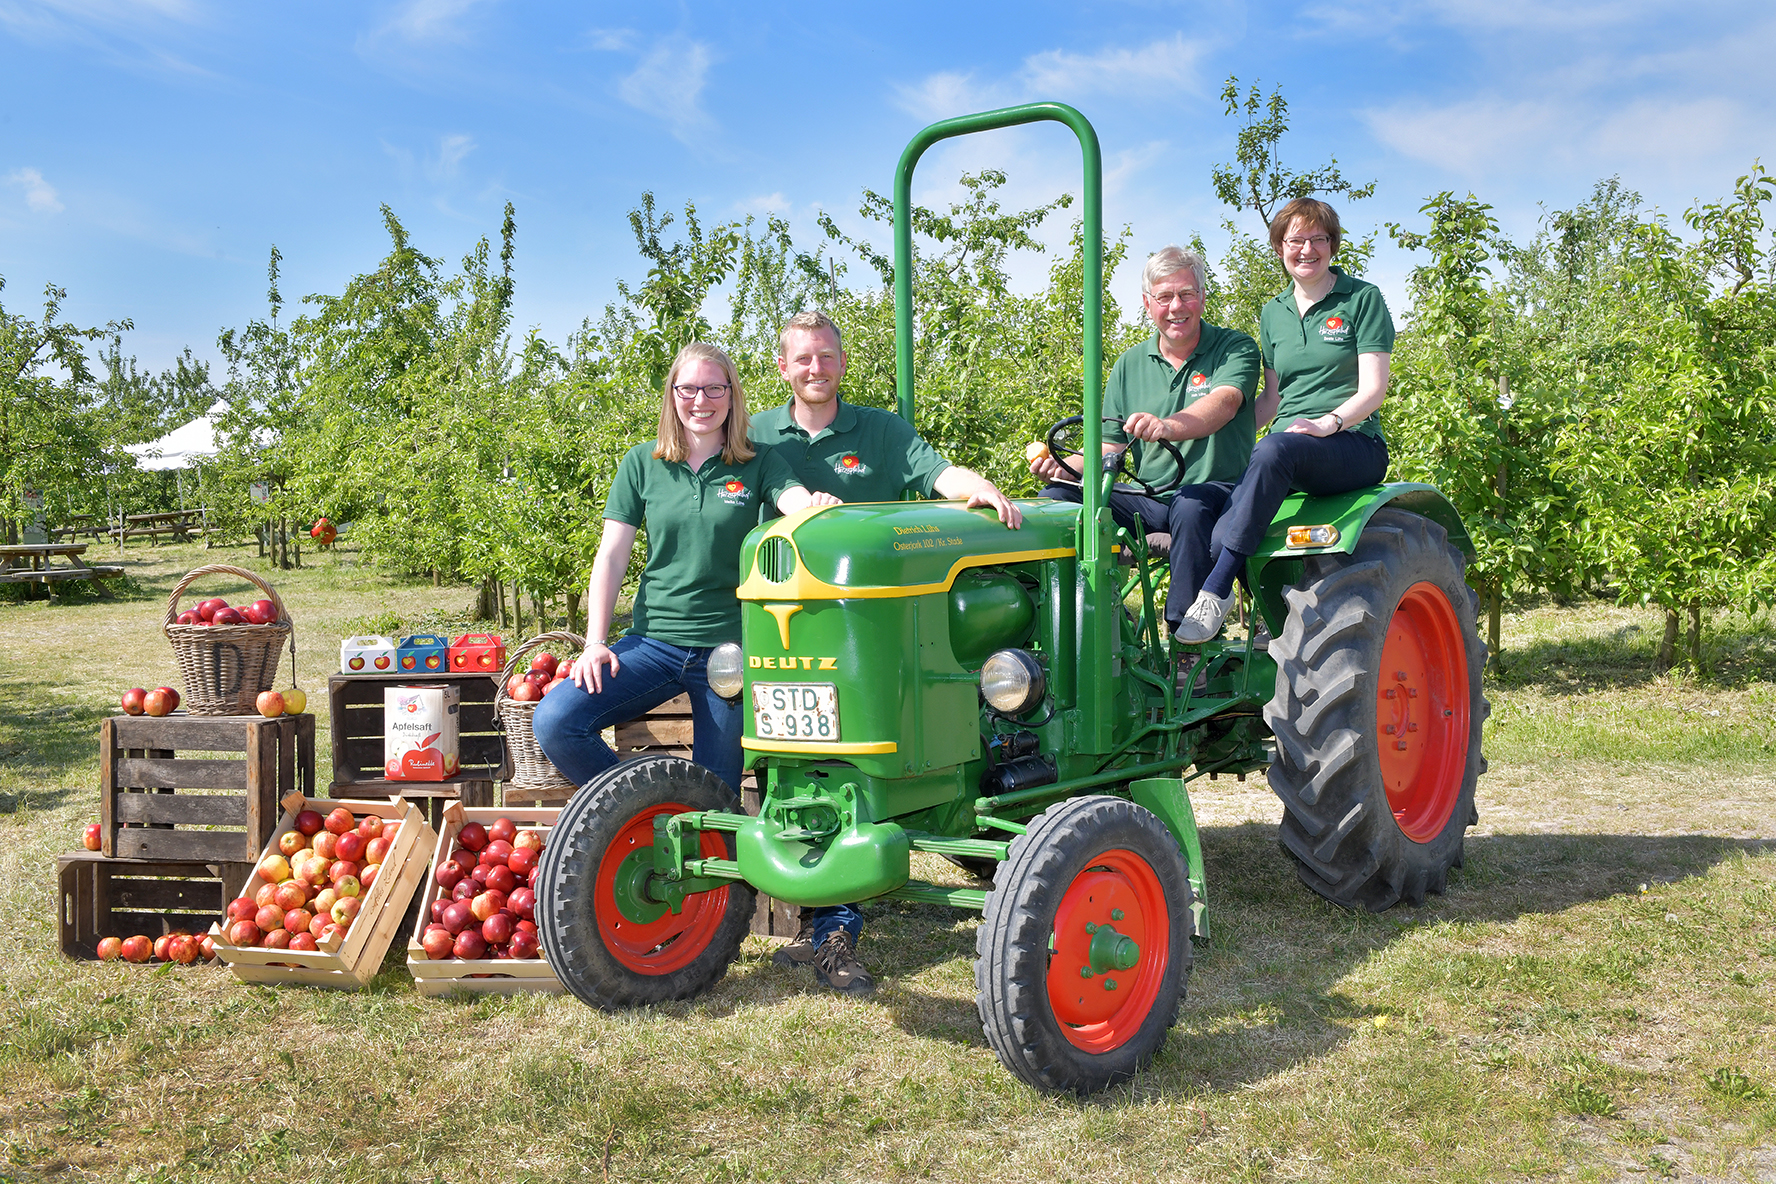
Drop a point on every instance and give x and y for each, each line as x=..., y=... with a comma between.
x=1494, y=606
x=484, y=609
x=1696, y=637
x=1667, y=644
x=517, y=612
x=573, y=612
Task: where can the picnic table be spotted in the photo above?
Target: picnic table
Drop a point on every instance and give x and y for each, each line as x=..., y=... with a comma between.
x=31, y=563
x=79, y=524
x=177, y=523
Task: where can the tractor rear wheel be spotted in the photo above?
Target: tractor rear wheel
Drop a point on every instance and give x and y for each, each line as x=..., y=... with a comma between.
x=1378, y=715
x=600, y=926
x=1084, y=951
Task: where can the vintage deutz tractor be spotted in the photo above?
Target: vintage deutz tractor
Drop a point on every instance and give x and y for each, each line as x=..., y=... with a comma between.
x=918, y=678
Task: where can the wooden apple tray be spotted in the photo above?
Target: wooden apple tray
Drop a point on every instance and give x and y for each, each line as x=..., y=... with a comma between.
x=487, y=976
x=345, y=963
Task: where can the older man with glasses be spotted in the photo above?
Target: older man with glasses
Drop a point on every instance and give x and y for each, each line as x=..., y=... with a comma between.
x=1191, y=383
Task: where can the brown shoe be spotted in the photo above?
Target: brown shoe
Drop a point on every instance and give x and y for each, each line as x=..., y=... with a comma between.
x=800, y=951
x=836, y=965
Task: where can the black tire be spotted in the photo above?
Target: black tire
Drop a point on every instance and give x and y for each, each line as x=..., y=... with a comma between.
x=1332, y=693
x=979, y=866
x=587, y=950
x=1083, y=853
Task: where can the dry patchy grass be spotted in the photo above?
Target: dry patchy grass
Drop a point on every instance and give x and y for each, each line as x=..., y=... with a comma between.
x=1591, y=1000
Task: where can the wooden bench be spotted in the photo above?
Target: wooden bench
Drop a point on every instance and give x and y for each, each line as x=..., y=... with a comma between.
x=178, y=525
x=31, y=563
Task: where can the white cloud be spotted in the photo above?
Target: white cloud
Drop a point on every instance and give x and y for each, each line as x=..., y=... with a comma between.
x=668, y=84
x=612, y=40
x=430, y=20
x=1170, y=62
x=769, y=203
x=40, y=195
x=451, y=152
x=1467, y=138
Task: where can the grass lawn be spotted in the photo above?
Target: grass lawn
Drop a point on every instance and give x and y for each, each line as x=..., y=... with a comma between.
x=1592, y=1000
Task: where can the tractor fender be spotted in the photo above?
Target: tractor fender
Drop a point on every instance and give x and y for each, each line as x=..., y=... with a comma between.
x=1270, y=569
x=860, y=862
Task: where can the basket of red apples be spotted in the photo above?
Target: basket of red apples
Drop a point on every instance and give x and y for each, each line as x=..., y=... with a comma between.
x=529, y=675
x=328, y=894
x=227, y=654
x=478, y=911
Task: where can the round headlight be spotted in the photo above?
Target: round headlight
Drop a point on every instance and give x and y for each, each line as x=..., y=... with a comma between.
x=1012, y=682
x=726, y=669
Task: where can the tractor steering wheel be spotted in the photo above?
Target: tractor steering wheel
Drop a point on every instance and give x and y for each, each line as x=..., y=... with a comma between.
x=1068, y=436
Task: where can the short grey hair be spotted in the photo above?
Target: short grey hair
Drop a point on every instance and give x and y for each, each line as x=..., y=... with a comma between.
x=1170, y=259
x=811, y=321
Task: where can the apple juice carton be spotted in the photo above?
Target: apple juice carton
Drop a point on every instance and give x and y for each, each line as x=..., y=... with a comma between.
x=367, y=655
x=478, y=653
x=419, y=733
x=423, y=653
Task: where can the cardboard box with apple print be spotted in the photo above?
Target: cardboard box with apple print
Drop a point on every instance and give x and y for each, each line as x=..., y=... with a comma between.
x=367, y=655
x=420, y=733
x=423, y=653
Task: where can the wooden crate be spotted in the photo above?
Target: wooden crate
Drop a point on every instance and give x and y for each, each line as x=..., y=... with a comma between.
x=349, y=962
x=355, y=711
x=159, y=799
x=487, y=976
x=103, y=897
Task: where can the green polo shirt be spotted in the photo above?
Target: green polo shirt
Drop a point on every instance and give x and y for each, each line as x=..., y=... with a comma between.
x=695, y=524
x=1315, y=356
x=863, y=455
x=1142, y=380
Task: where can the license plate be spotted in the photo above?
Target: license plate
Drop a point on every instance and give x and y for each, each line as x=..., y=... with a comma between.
x=795, y=710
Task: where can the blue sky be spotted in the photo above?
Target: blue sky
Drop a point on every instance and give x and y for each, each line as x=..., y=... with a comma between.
x=151, y=152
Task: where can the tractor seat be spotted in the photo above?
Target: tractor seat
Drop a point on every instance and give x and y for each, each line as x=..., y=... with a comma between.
x=1159, y=546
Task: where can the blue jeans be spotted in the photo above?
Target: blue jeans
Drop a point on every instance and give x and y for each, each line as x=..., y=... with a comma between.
x=1285, y=461
x=831, y=917
x=567, y=722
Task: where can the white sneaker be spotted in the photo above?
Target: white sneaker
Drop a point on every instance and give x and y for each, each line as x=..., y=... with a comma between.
x=1202, y=620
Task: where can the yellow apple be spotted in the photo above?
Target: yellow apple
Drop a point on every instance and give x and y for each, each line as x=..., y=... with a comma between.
x=294, y=701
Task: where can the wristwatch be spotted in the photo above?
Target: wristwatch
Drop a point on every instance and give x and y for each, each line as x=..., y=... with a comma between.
x=1337, y=417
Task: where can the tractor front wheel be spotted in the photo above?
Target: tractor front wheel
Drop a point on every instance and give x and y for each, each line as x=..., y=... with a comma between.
x=1378, y=715
x=600, y=921
x=1084, y=951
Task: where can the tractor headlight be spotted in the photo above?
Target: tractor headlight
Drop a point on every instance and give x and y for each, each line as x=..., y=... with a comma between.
x=1012, y=682
x=726, y=669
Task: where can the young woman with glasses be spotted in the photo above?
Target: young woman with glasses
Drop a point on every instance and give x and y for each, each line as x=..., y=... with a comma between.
x=697, y=487
x=1327, y=341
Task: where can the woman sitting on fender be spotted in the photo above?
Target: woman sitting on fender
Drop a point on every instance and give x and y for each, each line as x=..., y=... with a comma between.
x=1326, y=342
x=697, y=486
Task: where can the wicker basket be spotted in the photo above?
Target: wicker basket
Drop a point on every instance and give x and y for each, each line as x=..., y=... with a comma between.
x=532, y=774
x=225, y=667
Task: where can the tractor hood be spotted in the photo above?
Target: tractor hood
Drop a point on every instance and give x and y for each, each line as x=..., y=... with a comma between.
x=894, y=549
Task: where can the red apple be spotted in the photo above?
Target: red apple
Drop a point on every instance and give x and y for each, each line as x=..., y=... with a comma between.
x=457, y=916
x=208, y=609
x=438, y=943
x=497, y=929
x=524, y=943
x=351, y=846
x=136, y=949
x=344, y=909
x=521, y=861
x=390, y=830
x=309, y=821
x=377, y=849
x=470, y=944
x=157, y=703
x=318, y=927
x=479, y=876
x=277, y=939
x=467, y=890
x=172, y=696
x=270, y=704
x=527, y=692
x=182, y=949
x=501, y=879
x=290, y=842
x=326, y=845
x=503, y=830
x=189, y=617
x=132, y=701
x=370, y=827
x=553, y=685
x=527, y=926
x=297, y=920
x=268, y=918
x=527, y=840
x=545, y=663
x=324, y=900
x=341, y=871
x=263, y=895
x=348, y=886
x=227, y=616
x=367, y=877
x=304, y=942
x=330, y=932
x=447, y=876
x=523, y=902
x=473, y=836
x=92, y=838
x=244, y=933
x=109, y=948
x=290, y=895
x=160, y=947
x=340, y=821
x=500, y=849
x=206, y=948
x=241, y=908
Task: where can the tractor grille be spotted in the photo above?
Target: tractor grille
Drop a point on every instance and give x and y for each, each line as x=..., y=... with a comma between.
x=776, y=559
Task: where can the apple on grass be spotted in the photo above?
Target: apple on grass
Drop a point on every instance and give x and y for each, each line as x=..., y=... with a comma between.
x=110, y=948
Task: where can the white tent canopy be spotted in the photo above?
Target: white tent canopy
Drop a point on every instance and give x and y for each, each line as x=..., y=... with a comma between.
x=180, y=448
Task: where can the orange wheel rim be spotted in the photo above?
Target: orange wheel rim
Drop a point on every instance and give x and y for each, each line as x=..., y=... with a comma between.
x=1101, y=1005
x=1421, y=712
x=670, y=941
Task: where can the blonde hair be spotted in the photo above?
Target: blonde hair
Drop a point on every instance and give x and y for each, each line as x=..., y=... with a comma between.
x=811, y=321
x=669, y=441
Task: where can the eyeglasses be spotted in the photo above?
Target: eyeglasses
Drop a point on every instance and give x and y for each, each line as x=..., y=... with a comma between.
x=1314, y=240
x=715, y=392
x=1166, y=299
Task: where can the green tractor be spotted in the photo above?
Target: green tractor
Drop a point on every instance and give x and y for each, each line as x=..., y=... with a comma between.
x=918, y=678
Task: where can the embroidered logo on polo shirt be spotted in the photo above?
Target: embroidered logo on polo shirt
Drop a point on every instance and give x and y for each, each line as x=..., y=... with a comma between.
x=850, y=465
x=734, y=492
x=1199, y=380
x=1334, y=330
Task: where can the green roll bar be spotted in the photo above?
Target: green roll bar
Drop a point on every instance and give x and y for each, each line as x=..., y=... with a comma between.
x=1097, y=638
